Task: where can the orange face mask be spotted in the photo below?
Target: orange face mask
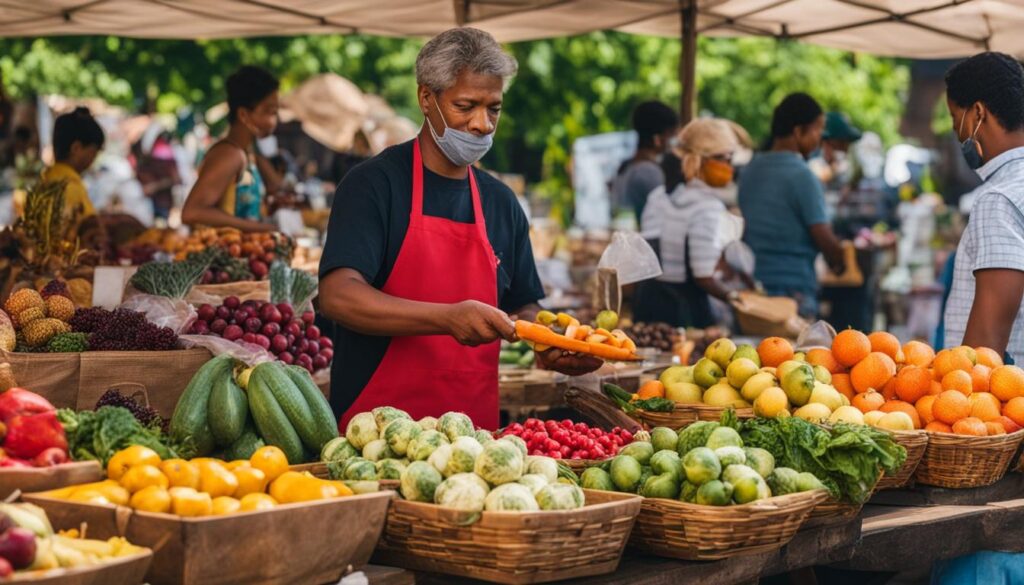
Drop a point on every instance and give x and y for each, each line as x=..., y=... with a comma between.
x=717, y=173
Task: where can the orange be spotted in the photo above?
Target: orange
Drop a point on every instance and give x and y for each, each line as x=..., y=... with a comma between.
x=850, y=346
x=958, y=380
x=874, y=371
x=1007, y=382
x=886, y=343
x=970, y=426
x=1008, y=424
x=181, y=473
x=900, y=406
x=912, y=383
x=270, y=460
x=1015, y=410
x=994, y=428
x=949, y=360
x=889, y=390
x=936, y=388
x=773, y=351
x=820, y=356
x=918, y=354
x=846, y=391
x=988, y=357
x=951, y=406
x=924, y=408
x=868, y=401
x=985, y=406
x=938, y=427
x=979, y=377
x=651, y=389
x=841, y=382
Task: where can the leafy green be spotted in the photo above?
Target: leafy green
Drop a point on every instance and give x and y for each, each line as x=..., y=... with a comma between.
x=168, y=279
x=295, y=287
x=655, y=404
x=695, y=435
x=99, y=435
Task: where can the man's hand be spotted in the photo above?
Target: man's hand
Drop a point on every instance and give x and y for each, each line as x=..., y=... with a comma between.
x=474, y=323
x=568, y=363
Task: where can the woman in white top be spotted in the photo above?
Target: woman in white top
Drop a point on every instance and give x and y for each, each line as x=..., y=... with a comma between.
x=685, y=227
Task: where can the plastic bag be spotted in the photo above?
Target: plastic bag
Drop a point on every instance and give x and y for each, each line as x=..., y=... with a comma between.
x=817, y=334
x=631, y=257
x=249, y=353
x=177, y=314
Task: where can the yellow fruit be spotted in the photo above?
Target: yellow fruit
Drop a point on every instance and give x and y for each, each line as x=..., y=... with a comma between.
x=813, y=412
x=225, y=505
x=798, y=382
x=684, y=392
x=770, y=402
x=722, y=394
x=41, y=331
x=188, y=502
x=788, y=366
x=250, y=481
x=251, y=502
x=233, y=465
x=739, y=371
x=181, y=473
x=24, y=299
x=60, y=307
x=130, y=457
x=113, y=492
x=822, y=374
x=89, y=497
x=674, y=374
x=720, y=351
x=895, y=421
x=706, y=373
x=270, y=460
x=757, y=384
x=29, y=315
x=847, y=414
x=871, y=417
x=827, y=395
x=301, y=489
x=152, y=499
x=216, y=480
x=143, y=476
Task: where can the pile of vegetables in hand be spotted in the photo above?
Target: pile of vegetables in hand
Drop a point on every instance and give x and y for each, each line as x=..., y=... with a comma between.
x=139, y=478
x=291, y=339
x=568, y=440
x=708, y=465
x=445, y=461
x=98, y=435
x=28, y=543
x=565, y=332
x=516, y=354
x=32, y=319
x=280, y=405
x=30, y=434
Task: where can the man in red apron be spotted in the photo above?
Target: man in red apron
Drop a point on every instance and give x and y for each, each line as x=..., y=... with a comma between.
x=426, y=258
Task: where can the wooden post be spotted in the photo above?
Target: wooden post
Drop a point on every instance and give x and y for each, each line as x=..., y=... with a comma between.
x=688, y=61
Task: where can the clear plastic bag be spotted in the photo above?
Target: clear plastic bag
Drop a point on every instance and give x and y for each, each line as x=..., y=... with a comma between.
x=249, y=353
x=177, y=314
x=631, y=257
x=817, y=334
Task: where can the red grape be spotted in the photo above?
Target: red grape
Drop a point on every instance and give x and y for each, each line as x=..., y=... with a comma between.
x=270, y=329
x=308, y=317
x=286, y=358
x=262, y=341
x=232, y=333
x=207, y=312
x=249, y=337
x=279, y=343
x=218, y=326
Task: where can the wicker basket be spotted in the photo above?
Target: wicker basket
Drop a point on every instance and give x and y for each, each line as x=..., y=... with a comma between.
x=915, y=443
x=681, y=530
x=830, y=512
x=510, y=547
x=685, y=414
x=959, y=461
x=578, y=466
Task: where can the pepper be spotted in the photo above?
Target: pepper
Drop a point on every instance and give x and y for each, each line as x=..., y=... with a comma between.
x=18, y=401
x=29, y=435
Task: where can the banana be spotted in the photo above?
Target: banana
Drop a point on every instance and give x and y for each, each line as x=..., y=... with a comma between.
x=30, y=517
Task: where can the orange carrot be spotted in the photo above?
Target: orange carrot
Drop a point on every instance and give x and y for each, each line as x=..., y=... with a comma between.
x=542, y=334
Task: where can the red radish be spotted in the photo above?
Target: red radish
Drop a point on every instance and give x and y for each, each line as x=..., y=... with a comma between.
x=313, y=332
x=308, y=317
x=207, y=312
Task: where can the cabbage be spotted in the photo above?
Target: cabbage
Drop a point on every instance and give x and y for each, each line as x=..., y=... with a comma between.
x=455, y=425
x=483, y=436
x=420, y=481
x=541, y=465
x=428, y=423
x=376, y=450
x=517, y=441
x=361, y=430
x=390, y=469
x=510, y=497
x=382, y=415
x=533, y=481
x=560, y=496
x=337, y=449
x=360, y=469
x=399, y=433
x=462, y=491
x=424, y=444
x=500, y=462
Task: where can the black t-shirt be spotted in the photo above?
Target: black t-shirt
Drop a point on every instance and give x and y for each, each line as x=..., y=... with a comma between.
x=368, y=222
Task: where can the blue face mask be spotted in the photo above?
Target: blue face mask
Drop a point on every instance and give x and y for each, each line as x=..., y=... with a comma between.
x=460, y=147
x=970, y=147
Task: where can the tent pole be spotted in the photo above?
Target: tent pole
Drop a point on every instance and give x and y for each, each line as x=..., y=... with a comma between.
x=688, y=60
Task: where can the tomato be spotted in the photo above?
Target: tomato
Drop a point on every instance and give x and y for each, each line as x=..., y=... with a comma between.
x=527, y=435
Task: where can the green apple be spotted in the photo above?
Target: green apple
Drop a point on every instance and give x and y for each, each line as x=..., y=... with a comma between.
x=706, y=373
x=747, y=351
x=798, y=384
x=786, y=367
x=684, y=392
x=676, y=374
x=739, y=371
x=721, y=351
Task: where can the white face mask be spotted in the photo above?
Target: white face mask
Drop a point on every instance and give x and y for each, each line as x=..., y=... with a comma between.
x=461, y=147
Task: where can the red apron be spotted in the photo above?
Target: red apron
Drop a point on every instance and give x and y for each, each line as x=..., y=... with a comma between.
x=441, y=261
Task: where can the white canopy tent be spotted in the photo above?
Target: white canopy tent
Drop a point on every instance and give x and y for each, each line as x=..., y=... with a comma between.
x=907, y=28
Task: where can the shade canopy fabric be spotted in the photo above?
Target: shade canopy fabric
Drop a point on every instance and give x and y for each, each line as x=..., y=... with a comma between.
x=908, y=28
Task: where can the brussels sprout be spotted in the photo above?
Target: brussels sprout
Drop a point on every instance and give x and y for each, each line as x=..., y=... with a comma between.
x=383, y=415
x=701, y=466
x=625, y=473
x=517, y=441
x=399, y=433
x=424, y=444
x=428, y=423
x=560, y=496
x=440, y=457
x=361, y=430
x=639, y=450
x=688, y=492
x=455, y=425
x=463, y=454
x=534, y=481
x=595, y=478
x=724, y=437
x=420, y=481
x=714, y=493
x=665, y=485
x=483, y=436
x=695, y=435
x=667, y=462
x=514, y=497
x=545, y=466
x=390, y=469
x=761, y=460
x=730, y=456
x=664, y=438
x=377, y=450
x=462, y=491
x=359, y=470
x=500, y=462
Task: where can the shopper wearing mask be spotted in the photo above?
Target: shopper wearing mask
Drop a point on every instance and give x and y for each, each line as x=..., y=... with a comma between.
x=985, y=96
x=656, y=124
x=687, y=224
x=427, y=258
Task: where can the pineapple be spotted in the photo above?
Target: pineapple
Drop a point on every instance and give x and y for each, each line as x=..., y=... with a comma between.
x=25, y=298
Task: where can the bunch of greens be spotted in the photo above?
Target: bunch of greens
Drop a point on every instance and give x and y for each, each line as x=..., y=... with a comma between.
x=846, y=458
x=295, y=287
x=168, y=279
x=98, y=435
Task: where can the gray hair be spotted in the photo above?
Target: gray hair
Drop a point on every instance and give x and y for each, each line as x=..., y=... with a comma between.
x=445, y=56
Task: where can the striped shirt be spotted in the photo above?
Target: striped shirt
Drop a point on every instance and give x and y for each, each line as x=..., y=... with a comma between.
x=692, y=211
x=994, y=238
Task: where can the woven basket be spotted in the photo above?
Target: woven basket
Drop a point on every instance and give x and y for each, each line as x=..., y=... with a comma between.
x=915, y=442
x=510, y=547
x=832, y=511
x=580, y=465
x=959, y=461
x=685, y=414
x=681, y=530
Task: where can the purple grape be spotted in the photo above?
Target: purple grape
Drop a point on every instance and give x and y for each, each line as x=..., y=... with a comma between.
x=319, y=362
x=262, y=341
x=270, y=329
x=308, y=317
x=200, y=328
x=253, y=324
x=313, y=348
x=231, y=302
x=286, y=357
x=223, y=313
x=207, y=312
x=249, y=337
x=313, y=332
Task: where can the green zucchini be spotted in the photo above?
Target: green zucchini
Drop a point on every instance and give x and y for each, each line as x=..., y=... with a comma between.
x=189, y=423
x=271, y=420
x=325, y=425
x=272, y=375
x=245, y=445
x=228, y=409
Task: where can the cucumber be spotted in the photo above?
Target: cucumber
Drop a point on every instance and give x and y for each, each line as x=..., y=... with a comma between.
x=228, y=409
x=271, y=420
x=508, y=356
x=325, y=425
x=526, y=360
x=272, y=376
x=189, y=423
x=245, y=445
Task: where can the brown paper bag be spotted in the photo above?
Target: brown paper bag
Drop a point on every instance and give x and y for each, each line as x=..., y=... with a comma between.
x=163, y=374
x=54, y=376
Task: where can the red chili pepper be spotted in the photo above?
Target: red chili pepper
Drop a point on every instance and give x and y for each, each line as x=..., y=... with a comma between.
x=30, y=435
